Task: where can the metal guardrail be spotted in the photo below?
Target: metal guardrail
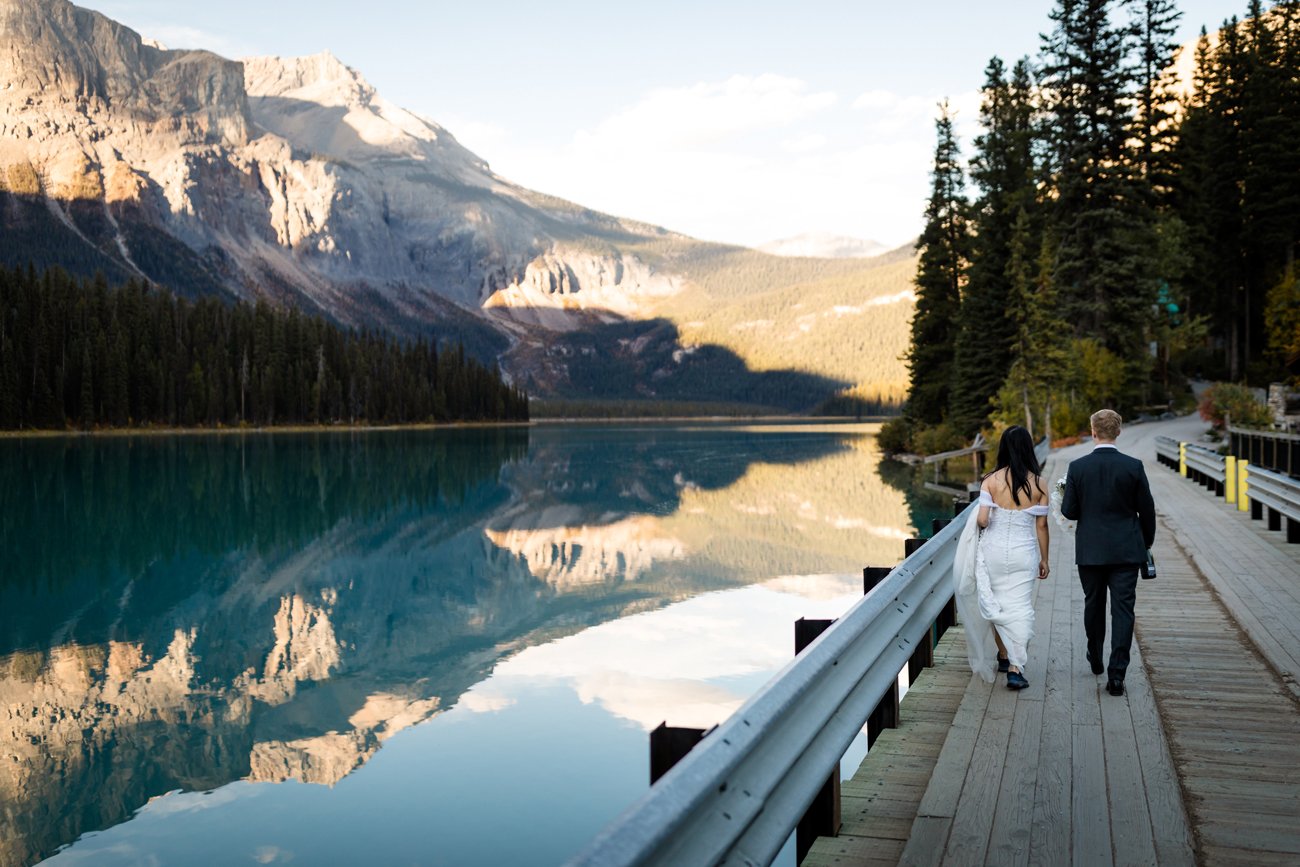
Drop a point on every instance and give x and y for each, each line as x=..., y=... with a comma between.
x=1250, y=487
x=1206, y=463
x=1167, y=451
x=736, y=797
x=1278, y=492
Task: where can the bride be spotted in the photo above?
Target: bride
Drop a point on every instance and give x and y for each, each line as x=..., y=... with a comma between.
x=1000, y=554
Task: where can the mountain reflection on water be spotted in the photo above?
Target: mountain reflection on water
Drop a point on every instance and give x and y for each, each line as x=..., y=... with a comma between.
x=177, y=613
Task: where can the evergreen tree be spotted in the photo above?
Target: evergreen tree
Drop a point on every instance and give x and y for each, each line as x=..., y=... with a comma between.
x=1156, y=118
x=1004, y=171
x=945, y=249
x=1102, y=216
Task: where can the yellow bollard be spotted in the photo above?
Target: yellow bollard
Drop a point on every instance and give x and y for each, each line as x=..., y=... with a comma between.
x=1243, y=486
x=1182, y=460
x=1230, y=479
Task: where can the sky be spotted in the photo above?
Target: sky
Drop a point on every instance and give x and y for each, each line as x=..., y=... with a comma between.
x=742, y=122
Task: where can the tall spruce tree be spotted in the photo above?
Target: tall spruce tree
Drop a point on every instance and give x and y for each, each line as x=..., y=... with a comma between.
x=1003, y=169
x=1102, y=216
x=945, y=249
x=1156, y=121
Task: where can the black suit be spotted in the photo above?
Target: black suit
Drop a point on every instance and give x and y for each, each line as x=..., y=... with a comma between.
x=1108, y=494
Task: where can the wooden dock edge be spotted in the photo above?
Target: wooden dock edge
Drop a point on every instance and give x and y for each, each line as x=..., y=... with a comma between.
x=879, y=804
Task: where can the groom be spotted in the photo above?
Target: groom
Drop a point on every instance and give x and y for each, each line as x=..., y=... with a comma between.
x=1108, y=494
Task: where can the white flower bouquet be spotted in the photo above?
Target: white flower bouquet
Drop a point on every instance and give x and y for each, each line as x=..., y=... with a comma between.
x=1058, y=494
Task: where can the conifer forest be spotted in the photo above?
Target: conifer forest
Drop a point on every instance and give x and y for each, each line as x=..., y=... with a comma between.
x=77, y=353
x=1114, y=230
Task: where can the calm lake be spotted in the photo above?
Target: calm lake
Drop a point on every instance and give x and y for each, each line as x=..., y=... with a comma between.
x=432, y=647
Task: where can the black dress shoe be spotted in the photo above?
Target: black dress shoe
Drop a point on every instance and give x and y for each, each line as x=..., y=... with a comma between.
x=1016, y=680
x=1115, y=687
x=1095, y=661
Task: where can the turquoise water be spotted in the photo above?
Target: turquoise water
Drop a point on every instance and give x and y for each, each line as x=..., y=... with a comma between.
x=432, y=647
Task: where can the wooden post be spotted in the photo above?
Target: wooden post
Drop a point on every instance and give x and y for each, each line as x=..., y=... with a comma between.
x=668, y=746
x=1243, y=485
x=959, y=506
x=910, y=546
x=1230, y=480
x=871, y=576
x=937, y=524
x=822, y=818
x=1274, y=519
x=1293, y=531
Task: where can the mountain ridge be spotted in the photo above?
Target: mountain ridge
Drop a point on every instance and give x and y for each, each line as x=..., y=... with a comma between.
x=295, y=179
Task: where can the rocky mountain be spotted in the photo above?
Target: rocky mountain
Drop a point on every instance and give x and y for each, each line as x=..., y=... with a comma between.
x=293, y=178
x=824, y=245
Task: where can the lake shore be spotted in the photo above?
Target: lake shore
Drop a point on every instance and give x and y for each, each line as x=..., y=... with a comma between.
x=460, y=425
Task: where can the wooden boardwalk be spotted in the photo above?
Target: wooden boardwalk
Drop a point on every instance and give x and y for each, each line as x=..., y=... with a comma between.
x=1196, y=764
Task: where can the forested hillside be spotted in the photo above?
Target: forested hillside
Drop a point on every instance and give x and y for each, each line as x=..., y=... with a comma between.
x=77, y=353
x=1126, y=230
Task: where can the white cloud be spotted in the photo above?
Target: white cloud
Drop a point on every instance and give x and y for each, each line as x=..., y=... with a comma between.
x=747, y=159
x=809, y=141
x=704, y=115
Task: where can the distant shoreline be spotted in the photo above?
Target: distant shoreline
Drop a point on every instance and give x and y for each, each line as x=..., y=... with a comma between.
x=460, y=425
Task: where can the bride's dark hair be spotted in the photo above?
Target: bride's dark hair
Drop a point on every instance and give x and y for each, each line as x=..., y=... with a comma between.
x=1016, y=454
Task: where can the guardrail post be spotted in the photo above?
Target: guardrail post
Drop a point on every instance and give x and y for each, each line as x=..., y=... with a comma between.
x=938, y=524
x=871, y=576
x=1292, y=531
x=822, y=818
x=668, y=746
x=1274, y=519
x=1243, y=485
x=959, y=506
x=1182, y=459
x=910, y=546
x=1230, y=479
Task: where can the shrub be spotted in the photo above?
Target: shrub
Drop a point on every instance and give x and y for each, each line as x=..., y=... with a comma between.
x=895, y=436
x=940, y=438
x=1224, y=399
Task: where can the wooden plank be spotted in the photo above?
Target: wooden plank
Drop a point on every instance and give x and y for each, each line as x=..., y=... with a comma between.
x=1049, y=837
x=925, y=847
x=1090, y=840
x=1014, y=814
x=1171, y=832
x=1130, y=823
x=944, y=792
x=968, y=837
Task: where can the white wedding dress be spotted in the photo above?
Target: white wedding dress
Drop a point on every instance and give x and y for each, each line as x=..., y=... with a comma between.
x=994, y=573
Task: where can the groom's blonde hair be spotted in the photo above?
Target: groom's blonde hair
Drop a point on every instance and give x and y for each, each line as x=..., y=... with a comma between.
x=1106, y=424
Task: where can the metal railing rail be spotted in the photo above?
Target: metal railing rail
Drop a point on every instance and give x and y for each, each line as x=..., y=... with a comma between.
x=1167, y=451
x=737, y=796
x=1277, y=491
x=1207, y=463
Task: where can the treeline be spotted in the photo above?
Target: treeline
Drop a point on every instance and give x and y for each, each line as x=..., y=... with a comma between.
x=77, y=353
x=1124, y=229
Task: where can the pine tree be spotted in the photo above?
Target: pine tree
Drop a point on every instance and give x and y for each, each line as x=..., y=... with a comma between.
x=1102, y=216
x=944, y=251
x=1156, y=126
x=1004, y=170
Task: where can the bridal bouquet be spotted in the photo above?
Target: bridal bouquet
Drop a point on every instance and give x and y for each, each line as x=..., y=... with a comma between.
x=1058, y=494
